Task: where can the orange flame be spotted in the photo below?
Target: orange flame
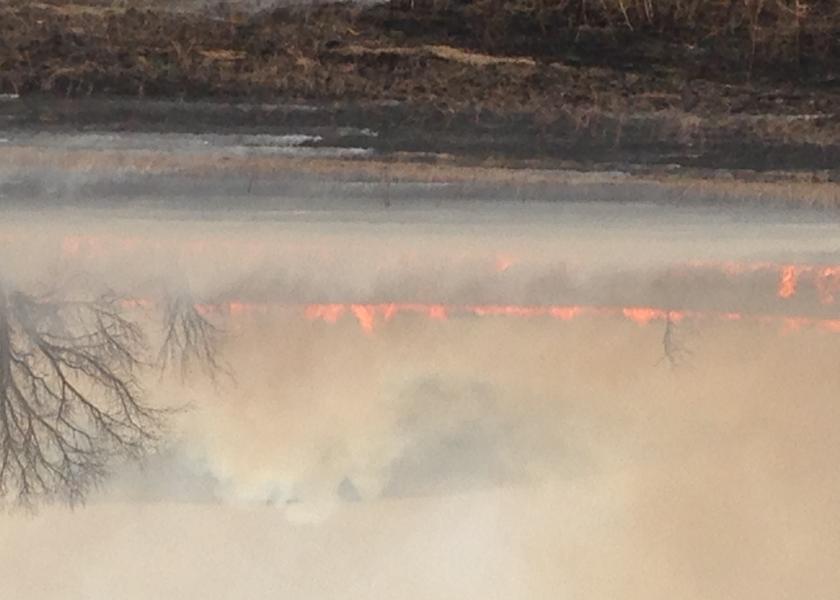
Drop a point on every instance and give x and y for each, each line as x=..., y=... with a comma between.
x=505, y=310
x=239, y=308
x=388, y=311
x=438, y=312
x=792, y=324
x=825, y=280
x=565, y=313
x=365, y=315
x=204, y=310
x=330, y=313
x=787, y=282
x=828, y=284
x=832, y=325
x=643, y=315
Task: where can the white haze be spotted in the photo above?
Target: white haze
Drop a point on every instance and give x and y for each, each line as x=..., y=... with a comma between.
x=494, y=458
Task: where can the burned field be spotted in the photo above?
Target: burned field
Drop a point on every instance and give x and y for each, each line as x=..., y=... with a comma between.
x=736, y=86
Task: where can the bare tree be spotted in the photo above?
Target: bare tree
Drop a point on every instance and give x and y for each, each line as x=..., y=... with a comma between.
x=190, y=340
x=70, y=401
x=673, y=346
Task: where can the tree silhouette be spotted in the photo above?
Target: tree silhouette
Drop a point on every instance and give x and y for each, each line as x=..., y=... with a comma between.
x=675, y=352
x=190, y=340
x=70, y=401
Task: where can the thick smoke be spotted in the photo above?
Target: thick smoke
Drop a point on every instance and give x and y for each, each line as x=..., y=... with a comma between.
x=494, y=456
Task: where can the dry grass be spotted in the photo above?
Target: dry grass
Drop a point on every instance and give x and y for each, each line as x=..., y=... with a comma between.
x=686, y=76
x=475, y=59
x=762, y=31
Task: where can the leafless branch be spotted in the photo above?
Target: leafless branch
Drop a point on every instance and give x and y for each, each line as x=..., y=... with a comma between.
x=190, y=340
x=674, y=350
x=70, y=401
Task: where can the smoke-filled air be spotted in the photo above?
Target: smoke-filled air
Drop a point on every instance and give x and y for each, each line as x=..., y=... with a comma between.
x=529, y=407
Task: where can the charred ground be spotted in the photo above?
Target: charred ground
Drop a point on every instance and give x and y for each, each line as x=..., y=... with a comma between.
x=736, y=85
